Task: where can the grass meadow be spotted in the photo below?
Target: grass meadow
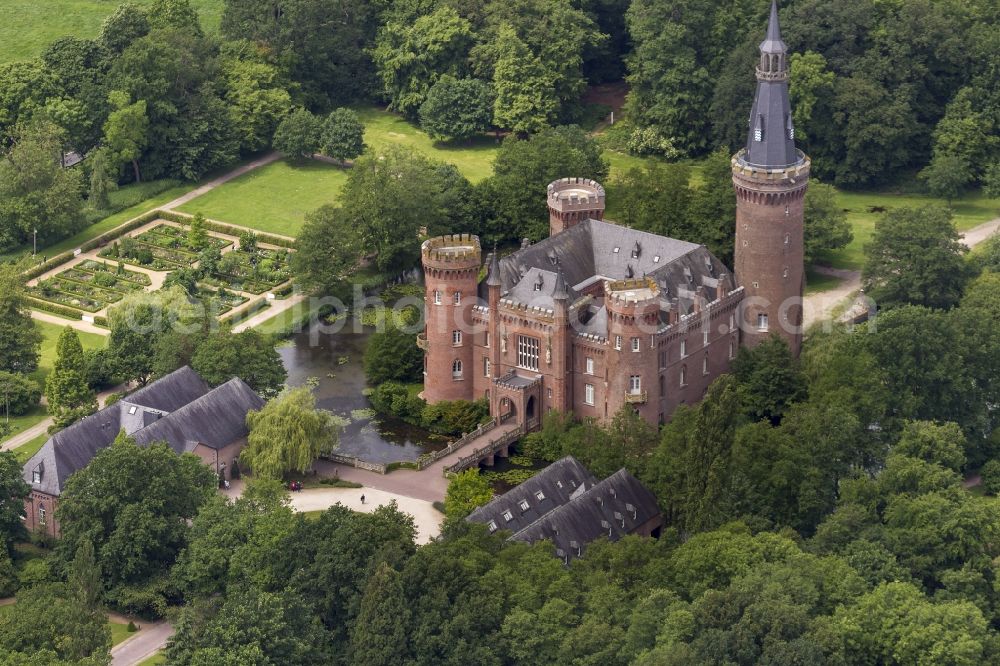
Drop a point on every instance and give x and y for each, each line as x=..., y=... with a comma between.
x=29, y=26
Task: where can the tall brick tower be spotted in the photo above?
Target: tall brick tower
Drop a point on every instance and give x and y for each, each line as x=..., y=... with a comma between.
x=633, y=316
x=572, y=200
x=451, y=270
x=770, y=176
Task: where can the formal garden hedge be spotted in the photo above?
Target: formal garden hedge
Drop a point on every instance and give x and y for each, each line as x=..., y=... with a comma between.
x=54, y=308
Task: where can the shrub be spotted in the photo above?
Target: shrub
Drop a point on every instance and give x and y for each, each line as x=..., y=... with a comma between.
x=990, y=474
x=8, y=579
x=105, y=279
x=54, y=308
x=35, y=572
x=131, y=628
x=454, y=417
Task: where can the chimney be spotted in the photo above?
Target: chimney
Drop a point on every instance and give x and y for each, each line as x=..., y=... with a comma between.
x=675, y=311
x=699, y=298
x=525, y=243
x=721, y=291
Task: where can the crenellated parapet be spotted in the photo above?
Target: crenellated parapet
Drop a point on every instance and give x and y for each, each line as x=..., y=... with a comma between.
x=571, y=200
x=770, y=187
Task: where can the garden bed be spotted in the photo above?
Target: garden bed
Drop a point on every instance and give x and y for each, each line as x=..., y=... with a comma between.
x=65, y=299
x=171, y=237
x=104, y=280
x=120, y=272
x=224, y=300
x=136, y=253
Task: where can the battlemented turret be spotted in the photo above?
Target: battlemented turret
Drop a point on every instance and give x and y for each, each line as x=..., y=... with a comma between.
x=572, y=200
x=451, y=269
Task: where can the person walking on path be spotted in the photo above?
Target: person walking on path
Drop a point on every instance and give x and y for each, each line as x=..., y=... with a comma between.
x=362, y=499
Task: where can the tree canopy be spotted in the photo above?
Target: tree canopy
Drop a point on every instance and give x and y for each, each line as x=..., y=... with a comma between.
x=288, y=434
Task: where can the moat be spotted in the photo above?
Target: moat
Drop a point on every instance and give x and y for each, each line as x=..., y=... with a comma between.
x=335, y=360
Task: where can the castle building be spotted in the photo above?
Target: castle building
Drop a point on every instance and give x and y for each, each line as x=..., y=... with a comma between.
x=598, y=315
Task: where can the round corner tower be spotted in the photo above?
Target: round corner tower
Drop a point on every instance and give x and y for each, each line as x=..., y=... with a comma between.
x=572, y=200
x=633, y=318
x=451, y=272
x=770, y=176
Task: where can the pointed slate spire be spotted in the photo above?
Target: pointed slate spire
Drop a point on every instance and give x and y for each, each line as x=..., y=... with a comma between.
x=773, y=42
x=493, y=273
x=561, y=291
x=771, y=140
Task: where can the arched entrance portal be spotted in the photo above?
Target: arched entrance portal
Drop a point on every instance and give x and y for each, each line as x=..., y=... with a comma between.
x=529, y=410
x=507, y=409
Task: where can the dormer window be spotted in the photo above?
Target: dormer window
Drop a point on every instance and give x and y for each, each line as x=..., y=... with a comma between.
x=538, y=283
x=552, y=258
x=790, y=128
x=492, y=526
x=524, y=505
x=539, y=495
x=629, y=272
x=38, y=473
x=758, y=130
x=508, y=516
x=636, y=250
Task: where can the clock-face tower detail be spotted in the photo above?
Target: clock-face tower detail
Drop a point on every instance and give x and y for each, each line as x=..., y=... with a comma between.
x=770, y=176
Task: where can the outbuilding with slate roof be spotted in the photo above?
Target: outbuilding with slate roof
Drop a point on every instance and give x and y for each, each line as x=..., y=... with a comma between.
x=180, y=409
x=566, y=505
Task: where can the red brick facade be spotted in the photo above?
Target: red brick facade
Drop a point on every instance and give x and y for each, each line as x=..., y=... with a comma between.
x=769, y=252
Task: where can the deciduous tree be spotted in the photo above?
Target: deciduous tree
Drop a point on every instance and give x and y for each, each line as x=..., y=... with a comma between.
x=36, y=193
x=133, y=503
x=343, y=135
x=298, y=135
x=467, y=491
x=915, y=257
x=456, y=109
x=247, y=355
x=288, y=434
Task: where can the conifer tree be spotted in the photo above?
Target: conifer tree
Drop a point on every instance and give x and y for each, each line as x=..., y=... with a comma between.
x=379, y=634
x=69, y=397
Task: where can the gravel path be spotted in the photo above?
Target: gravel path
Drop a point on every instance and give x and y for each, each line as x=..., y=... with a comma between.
x=146, y=642
x=225, y=178
x=821, y=305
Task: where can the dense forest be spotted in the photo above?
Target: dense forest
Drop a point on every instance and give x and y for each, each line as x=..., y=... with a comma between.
x=881, y=90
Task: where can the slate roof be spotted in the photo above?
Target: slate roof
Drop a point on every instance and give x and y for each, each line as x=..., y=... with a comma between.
x=612, y=508
x=179, y=408
x=557, y=483
x=215, y=420
x=576, y=509
x=595, y=250
x=771, y=114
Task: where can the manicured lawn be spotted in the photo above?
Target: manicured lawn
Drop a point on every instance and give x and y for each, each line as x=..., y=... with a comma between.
x=119, y=632
x=274, y=198
x=28, y=26
x=474, y=159
x=819, y=282
x=863, y=209
x=157, y=658
x=25, y=451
